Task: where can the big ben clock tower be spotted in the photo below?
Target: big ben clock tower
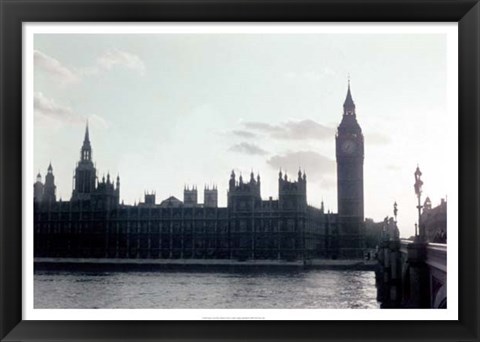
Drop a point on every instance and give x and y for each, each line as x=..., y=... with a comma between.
x=350, y=153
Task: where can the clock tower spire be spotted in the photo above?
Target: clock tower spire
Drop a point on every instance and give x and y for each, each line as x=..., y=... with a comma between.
x=350, y=154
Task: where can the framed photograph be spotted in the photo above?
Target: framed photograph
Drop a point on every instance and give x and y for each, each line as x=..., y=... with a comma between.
x=247, y=171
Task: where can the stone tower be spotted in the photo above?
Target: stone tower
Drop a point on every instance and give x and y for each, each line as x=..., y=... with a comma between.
x=350, y=155
x=49, y=189
x=210, y=197
x=85, y=172
x=243, y=196
x=38, y=189
x=190, y=196
x=292, y=195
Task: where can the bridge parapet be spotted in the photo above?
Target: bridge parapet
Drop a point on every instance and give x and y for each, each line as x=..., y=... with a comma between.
x=404, y=245
x=437, y=263
x=411, y=274
x=437, y=256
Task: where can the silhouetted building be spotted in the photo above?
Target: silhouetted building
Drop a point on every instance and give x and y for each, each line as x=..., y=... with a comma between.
x=149, y=200
x=38, y=189
x=190, y=196
x=210, y=197
x=95, y=224
x=435, y=221
x=350, y=154
x=49, y=189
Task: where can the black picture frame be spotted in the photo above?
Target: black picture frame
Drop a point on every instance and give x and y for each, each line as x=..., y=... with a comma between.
x=15, y=12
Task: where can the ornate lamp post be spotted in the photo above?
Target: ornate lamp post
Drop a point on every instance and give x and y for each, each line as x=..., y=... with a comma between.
x=416, y=256
x=418, y=191
x=395, y=211
x=396, y=232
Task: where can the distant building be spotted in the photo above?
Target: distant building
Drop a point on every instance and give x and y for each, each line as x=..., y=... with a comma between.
x=435, y=221
x=95, y=224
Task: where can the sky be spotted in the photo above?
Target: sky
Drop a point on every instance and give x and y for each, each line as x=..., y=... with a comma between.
x=169, y=110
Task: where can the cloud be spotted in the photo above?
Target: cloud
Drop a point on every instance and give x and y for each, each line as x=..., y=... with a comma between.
x=328, y=71
x=315, y=165
x=311, y=75
x=328, y=182
x=261, y=126
x=107, y=61
x=98, y=121
x=244, y=134
x=293, y=130
x=49, y=108
x=377, y=138
x=393, y=167
x=115, y=57
x=248, y=148
x=55, y=68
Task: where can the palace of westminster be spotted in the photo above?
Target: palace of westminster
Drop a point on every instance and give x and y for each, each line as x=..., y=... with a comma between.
x=94, y=224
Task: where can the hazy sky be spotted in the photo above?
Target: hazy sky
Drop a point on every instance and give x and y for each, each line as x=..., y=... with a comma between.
x=167, y=110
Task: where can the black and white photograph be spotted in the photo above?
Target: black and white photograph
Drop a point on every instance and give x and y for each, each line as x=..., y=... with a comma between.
x=242, y=171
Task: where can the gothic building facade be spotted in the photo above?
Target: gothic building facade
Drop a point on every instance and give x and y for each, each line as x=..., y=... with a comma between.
x=94, y=224
x=434, y=220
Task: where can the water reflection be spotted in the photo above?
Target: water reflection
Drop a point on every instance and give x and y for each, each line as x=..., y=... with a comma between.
x=245, y=289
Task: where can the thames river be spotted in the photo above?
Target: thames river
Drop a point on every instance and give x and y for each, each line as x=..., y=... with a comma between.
x=246, y=289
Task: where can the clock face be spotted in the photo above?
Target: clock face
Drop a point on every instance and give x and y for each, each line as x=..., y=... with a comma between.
x=349, y=146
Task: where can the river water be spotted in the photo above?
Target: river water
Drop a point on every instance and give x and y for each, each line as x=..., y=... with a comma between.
x=245, y=289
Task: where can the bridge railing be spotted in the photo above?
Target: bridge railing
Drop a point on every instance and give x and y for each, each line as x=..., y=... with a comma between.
x=411, y=274
x=404, y=245
x=437, y=256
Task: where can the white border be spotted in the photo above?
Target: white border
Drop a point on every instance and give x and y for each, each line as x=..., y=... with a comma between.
x=28, y=311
